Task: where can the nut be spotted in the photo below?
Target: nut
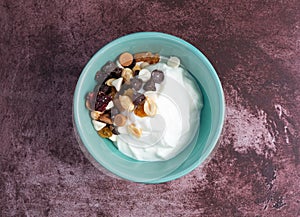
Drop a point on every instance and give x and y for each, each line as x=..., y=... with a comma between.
x=126, y=103
x=118, y=105
x=105, y=118
x=109, y=81
x=136, y=69
x=120, y=120
x=127, y=74
x=132, y=129
x=96, y=115
x=144, y=65
x=129, y=92
x=150, y=107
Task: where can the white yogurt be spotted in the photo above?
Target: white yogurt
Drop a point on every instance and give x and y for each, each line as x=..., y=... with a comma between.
x=179, y=104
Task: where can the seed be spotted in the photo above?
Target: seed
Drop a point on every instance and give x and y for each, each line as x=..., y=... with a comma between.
x=96, y=115
x=126, y=103
x=98, y=125
x=105, y=118
x=127, y=74
x=126, y=59
x=145, y=75
x=144, y=65
x=150, y=107
x=109, y=81
x=137, y=132
x=105, y=132
x=120, y=120
x=136, y=69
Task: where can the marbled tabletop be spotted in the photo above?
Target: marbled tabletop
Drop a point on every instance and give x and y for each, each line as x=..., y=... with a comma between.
x=255, y=48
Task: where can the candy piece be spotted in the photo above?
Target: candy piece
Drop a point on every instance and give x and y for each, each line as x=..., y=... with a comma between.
x=173, y=62
x=117, y=83
x=114, y=111
x=119, y=64
x=150, y=107
x=105, y=132
x=126, y=103
x=98, y=125
x=157, y=76
x=113, y=138
x=105, y=118
x=126, y=59
x=132, y=129
x=109, y=81
x=136, y=83
x=145, y=75
x=96, y=115
x=120, y=120
x=110, y=105
x=138, y=98
x=127, y=74
x=149, y=86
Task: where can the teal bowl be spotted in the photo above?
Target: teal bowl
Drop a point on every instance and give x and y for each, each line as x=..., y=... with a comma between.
x=106, y=156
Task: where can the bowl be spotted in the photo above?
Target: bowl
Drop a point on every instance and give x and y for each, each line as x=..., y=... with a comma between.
x=106, y=156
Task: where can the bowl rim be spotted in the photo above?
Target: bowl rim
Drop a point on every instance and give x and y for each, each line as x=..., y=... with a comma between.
x=193, y=49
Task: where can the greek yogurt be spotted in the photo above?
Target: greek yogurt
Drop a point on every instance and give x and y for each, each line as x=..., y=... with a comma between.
x=179, y=103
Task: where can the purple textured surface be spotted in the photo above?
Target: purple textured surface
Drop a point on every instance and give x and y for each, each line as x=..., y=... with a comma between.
x=255, y=47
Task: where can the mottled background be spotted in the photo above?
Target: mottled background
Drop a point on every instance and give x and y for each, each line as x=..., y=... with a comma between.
x=255, y=47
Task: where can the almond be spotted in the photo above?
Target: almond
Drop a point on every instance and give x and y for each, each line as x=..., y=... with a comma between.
x=126, y=103
x=127, y=74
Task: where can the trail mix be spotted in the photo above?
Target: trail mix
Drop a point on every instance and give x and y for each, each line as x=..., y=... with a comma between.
x=121, y=89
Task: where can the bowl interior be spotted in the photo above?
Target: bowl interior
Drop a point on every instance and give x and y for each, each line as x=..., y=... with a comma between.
x=212, y=115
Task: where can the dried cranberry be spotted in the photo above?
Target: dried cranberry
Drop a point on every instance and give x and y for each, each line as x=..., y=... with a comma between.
x=102, y=101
